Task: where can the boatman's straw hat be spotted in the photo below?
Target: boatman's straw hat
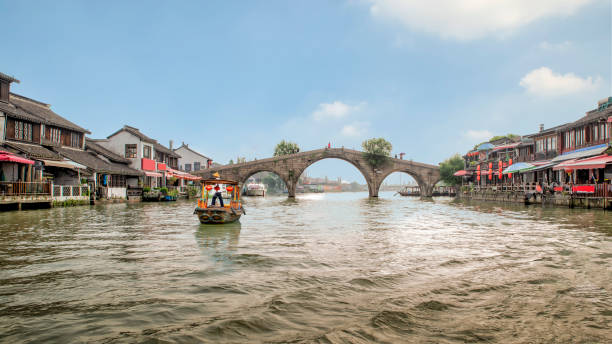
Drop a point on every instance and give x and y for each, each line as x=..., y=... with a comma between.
x=216, y=175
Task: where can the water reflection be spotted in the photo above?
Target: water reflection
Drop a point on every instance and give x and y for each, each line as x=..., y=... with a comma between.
x=219, y=236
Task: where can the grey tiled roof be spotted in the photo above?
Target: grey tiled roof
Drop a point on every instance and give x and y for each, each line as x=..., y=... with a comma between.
x=165, y=150
x=135, y=132
x=43, y=112
x=96, y=164
x=33, y=151
x=92, y=145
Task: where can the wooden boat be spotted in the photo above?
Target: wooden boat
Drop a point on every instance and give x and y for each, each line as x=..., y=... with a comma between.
x=216, y=214
x=410, y=191
x=255, y=189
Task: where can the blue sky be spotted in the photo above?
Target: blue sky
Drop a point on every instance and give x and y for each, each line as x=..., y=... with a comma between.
x=234, y=78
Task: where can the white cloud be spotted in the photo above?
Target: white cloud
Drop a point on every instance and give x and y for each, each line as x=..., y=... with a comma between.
x=335, y=110
x=544, y=82
x=478, y=135
x=355, y=129
x=471, y=19
x=555, y=46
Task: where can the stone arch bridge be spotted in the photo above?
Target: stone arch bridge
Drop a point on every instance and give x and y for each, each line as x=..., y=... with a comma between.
x=290, y=167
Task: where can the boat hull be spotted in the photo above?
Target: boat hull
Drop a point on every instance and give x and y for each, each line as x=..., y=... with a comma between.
x=217, y=215
x=256, y=192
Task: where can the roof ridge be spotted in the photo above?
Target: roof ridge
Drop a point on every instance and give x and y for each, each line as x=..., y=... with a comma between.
x=30, y=100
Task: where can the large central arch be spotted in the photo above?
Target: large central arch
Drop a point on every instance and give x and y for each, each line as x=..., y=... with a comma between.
x=360, y=168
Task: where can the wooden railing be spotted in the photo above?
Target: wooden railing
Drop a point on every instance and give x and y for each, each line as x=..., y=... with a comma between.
x=25, y=188
x=578, y=190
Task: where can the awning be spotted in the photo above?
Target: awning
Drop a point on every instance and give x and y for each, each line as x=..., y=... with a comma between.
x=152, y=174
x=61, y=164
x=506, y=146
x=77, y=165
x=485, y=146
x=14, y=158
x=518, y=167
x=581, y=153
x=180, y=174
x=585, y=164
x=462, y=173
x=542, y=167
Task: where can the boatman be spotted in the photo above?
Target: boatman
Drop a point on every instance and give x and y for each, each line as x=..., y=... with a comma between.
x=217, y=195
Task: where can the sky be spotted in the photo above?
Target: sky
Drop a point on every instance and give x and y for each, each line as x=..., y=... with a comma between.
x=233, y=78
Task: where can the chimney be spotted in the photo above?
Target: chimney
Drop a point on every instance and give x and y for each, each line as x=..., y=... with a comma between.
x=5, y=86
x=541, y=127
x=170, y=144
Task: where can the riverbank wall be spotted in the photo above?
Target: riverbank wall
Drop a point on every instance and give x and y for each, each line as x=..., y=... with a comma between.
x=556, y=199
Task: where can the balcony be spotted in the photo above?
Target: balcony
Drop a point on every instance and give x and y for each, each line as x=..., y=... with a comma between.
x=41, y=192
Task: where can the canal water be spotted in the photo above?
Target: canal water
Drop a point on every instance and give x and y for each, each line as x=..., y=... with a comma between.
x=324, y=268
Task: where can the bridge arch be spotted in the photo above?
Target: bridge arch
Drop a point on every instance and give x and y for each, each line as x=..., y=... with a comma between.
x=364, y=172
x=243, y=176
x=425, y=182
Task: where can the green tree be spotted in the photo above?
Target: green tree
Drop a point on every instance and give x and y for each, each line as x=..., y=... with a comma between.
x=231, y=162
x=509, y=136
x=449, y=167
x=285, y=148
x=376, y=151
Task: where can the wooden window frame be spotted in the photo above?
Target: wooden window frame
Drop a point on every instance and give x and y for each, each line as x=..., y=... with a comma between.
x=132, y=149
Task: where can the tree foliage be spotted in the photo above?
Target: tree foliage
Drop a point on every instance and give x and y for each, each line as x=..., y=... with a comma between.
x=449, y=167
x=509, y=136
x=376, y=151
x=286, y=148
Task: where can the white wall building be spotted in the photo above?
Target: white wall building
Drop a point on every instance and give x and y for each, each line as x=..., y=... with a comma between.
x=191, y=160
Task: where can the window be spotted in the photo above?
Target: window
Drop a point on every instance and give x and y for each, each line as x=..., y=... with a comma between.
x=596, y=133
x=23, y=131
x=117, y=181
x=130, y=151
x=187, y=167
x=553, y=143
x=196, y=166
x=146, y=152
x=54, y=135
x=75, y=140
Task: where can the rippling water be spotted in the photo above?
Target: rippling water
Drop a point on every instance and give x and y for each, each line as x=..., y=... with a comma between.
x=325, y=268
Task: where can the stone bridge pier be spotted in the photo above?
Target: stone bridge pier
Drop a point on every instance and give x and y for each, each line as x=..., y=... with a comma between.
x=290, y=167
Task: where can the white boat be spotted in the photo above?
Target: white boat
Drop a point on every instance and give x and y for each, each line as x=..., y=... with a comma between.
x=255, y=189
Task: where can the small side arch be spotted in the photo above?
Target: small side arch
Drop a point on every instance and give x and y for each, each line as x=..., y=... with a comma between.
x=423, y=185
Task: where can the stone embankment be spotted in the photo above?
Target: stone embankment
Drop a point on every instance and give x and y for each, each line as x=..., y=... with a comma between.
x=561, y=199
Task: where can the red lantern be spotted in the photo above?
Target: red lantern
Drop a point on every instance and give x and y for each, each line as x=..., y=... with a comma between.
x=229, y=188
x=500, y=167
x=478, y=173
x=510, y=164
x=490, y=171
x=208, y=187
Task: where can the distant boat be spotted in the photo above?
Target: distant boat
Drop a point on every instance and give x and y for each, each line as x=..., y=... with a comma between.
x=255, y=189
x=410, y=191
